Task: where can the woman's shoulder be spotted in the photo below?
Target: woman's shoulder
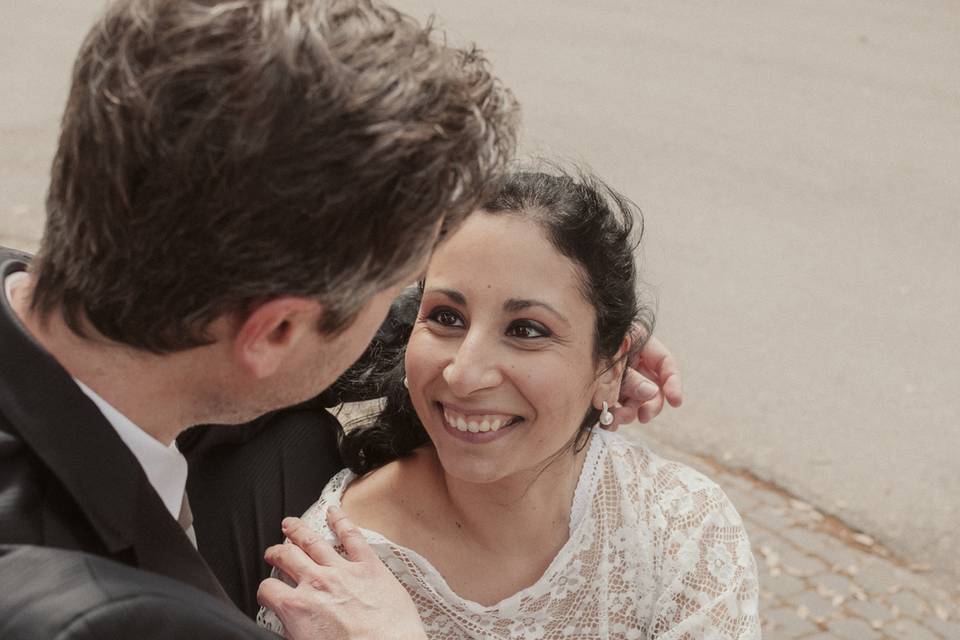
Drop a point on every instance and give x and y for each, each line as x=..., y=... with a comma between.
x=381, y=499
x=700, y=552
x=316, y=515
x=678, y=492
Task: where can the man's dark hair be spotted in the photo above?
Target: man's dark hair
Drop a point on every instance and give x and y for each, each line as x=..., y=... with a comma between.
x=218, y=154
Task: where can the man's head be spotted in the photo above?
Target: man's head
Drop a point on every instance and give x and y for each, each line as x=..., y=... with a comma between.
x=218, y=155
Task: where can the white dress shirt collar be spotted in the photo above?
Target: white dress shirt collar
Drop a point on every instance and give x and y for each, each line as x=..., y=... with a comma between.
x=165, y=466
x=11, y=280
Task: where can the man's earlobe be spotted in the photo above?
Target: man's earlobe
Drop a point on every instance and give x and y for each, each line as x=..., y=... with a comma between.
x=270, y=333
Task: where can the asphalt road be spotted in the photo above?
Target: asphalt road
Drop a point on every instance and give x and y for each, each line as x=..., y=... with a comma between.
x=798, y=166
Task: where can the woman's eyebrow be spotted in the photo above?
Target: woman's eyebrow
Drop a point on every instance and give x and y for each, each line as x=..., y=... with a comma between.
x=518, y=304
x=453, y=294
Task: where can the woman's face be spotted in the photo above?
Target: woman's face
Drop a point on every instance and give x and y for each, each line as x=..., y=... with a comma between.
x=500, y=363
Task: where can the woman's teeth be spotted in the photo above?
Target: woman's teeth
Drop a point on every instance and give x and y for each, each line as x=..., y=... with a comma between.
x=475, y=423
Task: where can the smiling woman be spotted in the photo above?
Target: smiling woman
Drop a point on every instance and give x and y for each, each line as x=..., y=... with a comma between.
x=485, y=485
x=505, y=334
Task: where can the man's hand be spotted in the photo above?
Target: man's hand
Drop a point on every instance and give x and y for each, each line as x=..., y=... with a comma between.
x=336, y=597
x=652, y=377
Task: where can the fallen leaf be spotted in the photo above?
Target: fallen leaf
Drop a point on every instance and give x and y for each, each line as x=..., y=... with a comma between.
x=863, y=539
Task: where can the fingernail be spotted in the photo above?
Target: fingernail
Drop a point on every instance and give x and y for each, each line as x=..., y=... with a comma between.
x=286, y=524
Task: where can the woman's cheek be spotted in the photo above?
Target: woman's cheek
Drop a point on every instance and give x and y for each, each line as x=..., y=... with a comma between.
x=423, y=357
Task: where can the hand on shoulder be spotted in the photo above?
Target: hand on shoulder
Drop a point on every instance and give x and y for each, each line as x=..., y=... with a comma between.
x=334, y=596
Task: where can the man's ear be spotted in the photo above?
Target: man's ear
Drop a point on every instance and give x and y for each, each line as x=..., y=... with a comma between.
x=271, y=332
x=608, y=387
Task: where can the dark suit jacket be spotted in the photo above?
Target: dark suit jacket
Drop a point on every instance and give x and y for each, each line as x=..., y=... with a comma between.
x=66, y=478
x=245, y=479
x=68, y=481
x=68, y=595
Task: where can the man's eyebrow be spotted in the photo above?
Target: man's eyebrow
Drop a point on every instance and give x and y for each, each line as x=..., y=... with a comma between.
x=453, y=294
x=518, y=304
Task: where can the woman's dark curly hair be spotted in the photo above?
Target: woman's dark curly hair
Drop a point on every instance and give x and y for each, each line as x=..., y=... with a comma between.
x=586, y=221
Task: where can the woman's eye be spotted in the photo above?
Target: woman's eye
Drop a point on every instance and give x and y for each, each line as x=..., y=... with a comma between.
x=527, y=330
x=446, y=317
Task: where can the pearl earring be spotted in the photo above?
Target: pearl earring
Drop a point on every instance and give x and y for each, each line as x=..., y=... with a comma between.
x=406, y=383
x=606, y=418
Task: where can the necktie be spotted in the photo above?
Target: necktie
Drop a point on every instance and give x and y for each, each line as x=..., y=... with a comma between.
x=185, y=519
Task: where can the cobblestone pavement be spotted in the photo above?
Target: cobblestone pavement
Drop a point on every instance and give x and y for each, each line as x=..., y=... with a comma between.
x=820, y=580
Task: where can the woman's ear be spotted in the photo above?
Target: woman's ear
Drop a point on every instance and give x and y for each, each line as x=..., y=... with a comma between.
x=272, y=332
x=611, y=375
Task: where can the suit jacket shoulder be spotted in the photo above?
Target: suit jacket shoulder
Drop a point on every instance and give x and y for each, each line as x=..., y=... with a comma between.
x=66, y=478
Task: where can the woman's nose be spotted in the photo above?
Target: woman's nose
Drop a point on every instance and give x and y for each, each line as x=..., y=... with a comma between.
x=473, y=367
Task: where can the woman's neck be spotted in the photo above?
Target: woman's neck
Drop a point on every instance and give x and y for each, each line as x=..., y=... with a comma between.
x=488, y=541
x=520, y=514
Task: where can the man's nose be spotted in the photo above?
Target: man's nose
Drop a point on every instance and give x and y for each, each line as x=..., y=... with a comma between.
x=474, y=366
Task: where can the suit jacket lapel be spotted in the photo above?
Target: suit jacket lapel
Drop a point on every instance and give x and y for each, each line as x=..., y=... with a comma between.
x=77, y=444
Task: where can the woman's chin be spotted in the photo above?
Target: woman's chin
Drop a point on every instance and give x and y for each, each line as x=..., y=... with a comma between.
x=471, y=469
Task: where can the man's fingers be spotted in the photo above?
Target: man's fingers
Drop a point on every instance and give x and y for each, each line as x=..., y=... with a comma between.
x=310, y=541
x=293, y=561
x=623, y=415
x=650, y=410
x=350, y=536
x=274, y=594
x=653, y=351
x=637, y=389
x=658, y=360
x=673, y=390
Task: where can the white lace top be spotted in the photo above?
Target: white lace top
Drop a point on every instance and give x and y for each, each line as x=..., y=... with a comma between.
x=656, y=550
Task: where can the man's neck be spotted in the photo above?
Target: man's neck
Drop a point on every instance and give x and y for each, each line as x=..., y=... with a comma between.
x=146, y=388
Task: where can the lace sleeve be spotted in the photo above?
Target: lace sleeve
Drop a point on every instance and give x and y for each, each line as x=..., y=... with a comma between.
x=708, y=586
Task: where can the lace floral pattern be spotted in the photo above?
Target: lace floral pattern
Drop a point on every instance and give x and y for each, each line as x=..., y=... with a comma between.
x=656, y=550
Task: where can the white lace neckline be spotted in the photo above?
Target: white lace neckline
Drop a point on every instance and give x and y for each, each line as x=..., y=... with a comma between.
x=655, y=550
x=585, y=488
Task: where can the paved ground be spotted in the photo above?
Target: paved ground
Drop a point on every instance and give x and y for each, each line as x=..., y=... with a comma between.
x=818, y=578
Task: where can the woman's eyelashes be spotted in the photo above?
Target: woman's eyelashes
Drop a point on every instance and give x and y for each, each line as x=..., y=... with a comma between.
x=527, y=329
x=445, y=317
x=524, y=329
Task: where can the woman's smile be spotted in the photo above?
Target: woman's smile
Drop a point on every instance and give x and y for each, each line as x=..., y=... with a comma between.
x=476, y=426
